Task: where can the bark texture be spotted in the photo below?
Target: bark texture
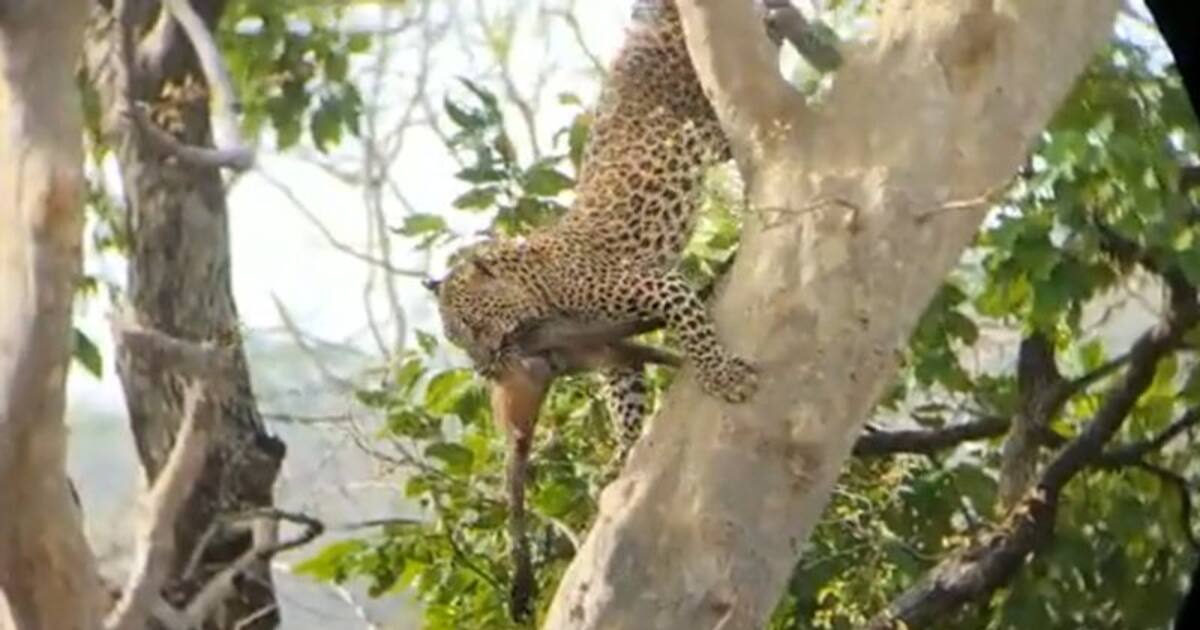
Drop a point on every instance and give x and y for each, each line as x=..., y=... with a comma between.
x=179, y=284
x=860, y=206
x=47, y=571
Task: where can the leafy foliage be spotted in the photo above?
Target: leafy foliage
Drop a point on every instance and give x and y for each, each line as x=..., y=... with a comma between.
x=291, y=66
x=290, y=62
x=1108, y=165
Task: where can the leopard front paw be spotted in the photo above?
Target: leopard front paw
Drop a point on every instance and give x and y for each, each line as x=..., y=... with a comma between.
x=733, y=380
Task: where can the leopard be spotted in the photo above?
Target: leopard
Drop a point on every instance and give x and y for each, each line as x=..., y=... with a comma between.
x=614, y=255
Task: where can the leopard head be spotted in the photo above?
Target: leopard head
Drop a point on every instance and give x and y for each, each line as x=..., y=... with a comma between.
x=479, y=307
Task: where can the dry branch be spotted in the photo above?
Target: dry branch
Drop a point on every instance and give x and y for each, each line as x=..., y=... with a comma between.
x=162, y=506
x=264, y=527
x=204, y=361
x=928, y=441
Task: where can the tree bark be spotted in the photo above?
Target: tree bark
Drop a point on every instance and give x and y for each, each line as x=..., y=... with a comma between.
x=179, y=284
x=860, y=207
x=47, y=571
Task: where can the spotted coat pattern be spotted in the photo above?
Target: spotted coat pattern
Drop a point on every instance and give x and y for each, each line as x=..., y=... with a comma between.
x=613, y=255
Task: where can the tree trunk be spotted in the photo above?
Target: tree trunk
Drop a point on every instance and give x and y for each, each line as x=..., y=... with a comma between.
x=179, y=284
x=47, y=572
x=860, y=207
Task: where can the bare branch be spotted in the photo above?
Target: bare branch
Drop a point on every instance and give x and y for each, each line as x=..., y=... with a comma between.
x=265, y=525
x=163, y=504
x=238, y=159
x=329, y=236
x=928, y=441
x=223, y=101
x=201, y=360
x=567, y=15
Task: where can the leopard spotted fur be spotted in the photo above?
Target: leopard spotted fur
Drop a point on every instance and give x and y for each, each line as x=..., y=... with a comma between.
x=613, y=255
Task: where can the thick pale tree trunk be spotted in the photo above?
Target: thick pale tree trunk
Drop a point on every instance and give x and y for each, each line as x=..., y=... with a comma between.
x=860, y=207
x=179, y=283
x=47, y=572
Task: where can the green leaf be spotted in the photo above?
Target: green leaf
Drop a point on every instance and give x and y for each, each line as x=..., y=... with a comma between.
x=457, y=458
x=1189, y=263
x=409, y=374
x=486, y=98
x=443, y=391
x=961, y=327
x=556, y=499
x=427, y=342
x=419, y=224
x=1092, y=355
x=577, y=139
x=87, y=354
x=480, y=198
x=480, y=174
x=468, y=121
x=358, y=43
x=326, y=125
x=331, y=563
x=336, y=66
x=1190, y=392
x=545, y=181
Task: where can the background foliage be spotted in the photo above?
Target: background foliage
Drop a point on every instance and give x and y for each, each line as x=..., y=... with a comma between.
x=1110, y=163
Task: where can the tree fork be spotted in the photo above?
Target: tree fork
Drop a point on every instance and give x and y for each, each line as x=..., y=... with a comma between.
x=868, y=185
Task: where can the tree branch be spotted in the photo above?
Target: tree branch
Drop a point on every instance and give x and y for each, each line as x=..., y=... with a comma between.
x=828, y=297
x=264, y=524
x=236, y=158
x=163, y=504
x=1181, y=485
x=995, y=559
x=928, y=441
x=223, y=101
x=1131, y=454
x=204, y=361
x=229, y=153
x=739, y=70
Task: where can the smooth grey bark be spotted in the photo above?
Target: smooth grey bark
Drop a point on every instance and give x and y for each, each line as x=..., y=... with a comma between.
x=860, y=206
x=47, y=571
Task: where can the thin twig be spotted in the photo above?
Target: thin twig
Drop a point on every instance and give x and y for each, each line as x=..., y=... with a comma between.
x=1130, y=454
x=328, y=235
x=265, y=527
x=1184, y=489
